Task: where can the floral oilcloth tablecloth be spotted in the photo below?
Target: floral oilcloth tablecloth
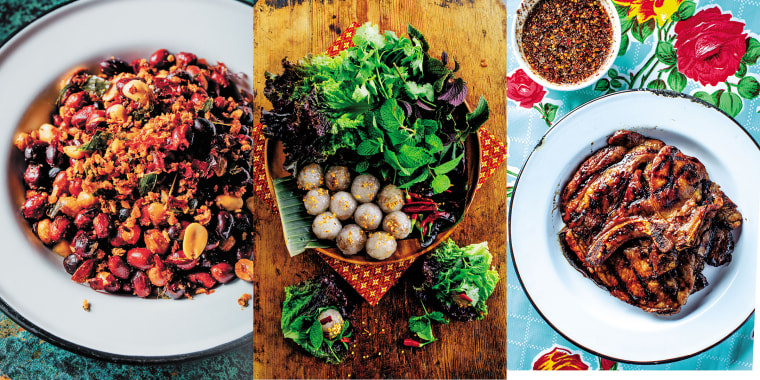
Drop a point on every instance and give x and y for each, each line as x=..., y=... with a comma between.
x=25, y=356
x=705, y=48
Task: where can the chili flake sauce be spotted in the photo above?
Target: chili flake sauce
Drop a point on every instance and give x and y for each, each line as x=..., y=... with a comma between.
x=566, y=41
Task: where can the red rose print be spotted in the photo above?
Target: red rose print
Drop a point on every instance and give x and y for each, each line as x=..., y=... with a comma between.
x=606, y=364
x=559, y=359
x=524, y=90
x=710, y=46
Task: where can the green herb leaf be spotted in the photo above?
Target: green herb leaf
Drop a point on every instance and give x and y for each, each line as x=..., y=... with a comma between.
x=413, y=157
x=448, y=165
x=479, y=116
x=440, y=183
x=368, y=147
x=434, y=142
x=99, y=141
x=315, y=334
x=207, y=105
x=96, y=85
x=362, y=167
x=147, y=183
x=415, y=34
x=420, y=178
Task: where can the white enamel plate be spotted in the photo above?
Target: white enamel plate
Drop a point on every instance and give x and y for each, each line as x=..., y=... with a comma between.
x=34, y=288
x=588, y=315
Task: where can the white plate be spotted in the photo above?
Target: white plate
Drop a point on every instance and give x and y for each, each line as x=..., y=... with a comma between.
x=588, y=315
x=34, y=289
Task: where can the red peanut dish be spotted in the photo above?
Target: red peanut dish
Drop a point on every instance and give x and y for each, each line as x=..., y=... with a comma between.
x=139, y=179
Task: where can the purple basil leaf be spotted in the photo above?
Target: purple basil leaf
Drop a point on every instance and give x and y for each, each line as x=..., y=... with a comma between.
x=424, y=106
x=455, y=93
x=445, y=57
x=407, y=107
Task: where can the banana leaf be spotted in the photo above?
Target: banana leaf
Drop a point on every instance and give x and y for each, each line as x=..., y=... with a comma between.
x=296, y=222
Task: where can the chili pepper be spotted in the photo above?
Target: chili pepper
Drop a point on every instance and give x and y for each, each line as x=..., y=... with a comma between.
x=411, y=343
x=326, y=319
x=345, y=339
x=465, y=297
x=430, y=218
x=419, y=207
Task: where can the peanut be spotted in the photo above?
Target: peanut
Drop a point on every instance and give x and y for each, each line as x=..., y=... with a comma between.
x=244, y=270
x=137, y=91
x=229, y=202
x=196, y=238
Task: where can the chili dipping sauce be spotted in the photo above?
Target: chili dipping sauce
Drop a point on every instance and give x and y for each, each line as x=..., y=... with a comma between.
x=566, y=41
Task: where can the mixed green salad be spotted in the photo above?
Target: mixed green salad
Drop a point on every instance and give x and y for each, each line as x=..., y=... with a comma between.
x=458, y=281
x=315, y=316
x=384, y=105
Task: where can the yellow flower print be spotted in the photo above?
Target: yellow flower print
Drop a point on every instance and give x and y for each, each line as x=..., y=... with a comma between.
x=643, y=10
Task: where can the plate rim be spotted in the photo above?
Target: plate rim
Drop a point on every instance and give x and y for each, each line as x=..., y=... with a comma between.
x=68, y=345
x=666, y=93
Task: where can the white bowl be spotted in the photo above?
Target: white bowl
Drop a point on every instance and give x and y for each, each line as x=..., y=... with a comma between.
x=517, y=27
x=35, y=291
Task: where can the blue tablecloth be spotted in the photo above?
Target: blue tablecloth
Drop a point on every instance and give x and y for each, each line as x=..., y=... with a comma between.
x=663, y=47
x=24, y=356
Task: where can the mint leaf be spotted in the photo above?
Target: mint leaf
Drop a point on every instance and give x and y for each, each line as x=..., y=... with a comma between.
x=390, y=115
x=479, y=116
x=315, y=334
x=422, y=177
x=435, y=143
x=414, y=34
x=368, y=147
x=362, y=167
x=413, y=157
x=440, y=183
x=96, y=85
x=447, y=166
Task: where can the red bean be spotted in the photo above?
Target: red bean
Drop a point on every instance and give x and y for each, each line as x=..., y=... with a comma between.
x=83, y=272
x=184, y=59
x=202, y=278
x=223, y=272
x=34, y=207
x=140, y=258
x=101, y=225
x=141, y=284
x=160, y=59
x=118, y=267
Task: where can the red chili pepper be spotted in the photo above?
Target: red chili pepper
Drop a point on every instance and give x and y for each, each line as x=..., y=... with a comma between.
x=430, y=218
x=345, y=340
x=411, y=343
x=419, y=207
x=465, y=297
x=326, y=319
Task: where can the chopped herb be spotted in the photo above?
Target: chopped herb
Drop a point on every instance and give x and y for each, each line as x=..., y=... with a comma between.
x=147, y=183
x=99, y=141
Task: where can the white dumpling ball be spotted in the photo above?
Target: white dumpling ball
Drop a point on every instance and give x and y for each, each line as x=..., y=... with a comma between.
x=343, y=205
x=368, y=216
x=310, y=177
x=397, y=224
x=337, y=178
x=332, y=323
x=351, y=239
x=365, y=187
x=316, y=201
x=390, y=199
x=326, y=226
x=380, y=245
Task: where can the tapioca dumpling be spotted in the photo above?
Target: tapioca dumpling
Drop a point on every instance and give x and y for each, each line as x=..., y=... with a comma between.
x=316, y=201
x=380, y=245
x=343, y=205
x=310, y=177
x=368, y=216
x=351, y=239
x=326, y=226
x=397, y=224
x=365, y=188
x=390, y=199
x=337, y=178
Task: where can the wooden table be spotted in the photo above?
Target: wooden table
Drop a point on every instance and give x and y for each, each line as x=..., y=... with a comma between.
x=473, y=32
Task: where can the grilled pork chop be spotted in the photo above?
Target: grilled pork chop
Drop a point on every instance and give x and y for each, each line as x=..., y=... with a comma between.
x=642, y=219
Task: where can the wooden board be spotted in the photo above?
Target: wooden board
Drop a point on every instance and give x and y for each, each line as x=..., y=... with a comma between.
x=474, y=33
